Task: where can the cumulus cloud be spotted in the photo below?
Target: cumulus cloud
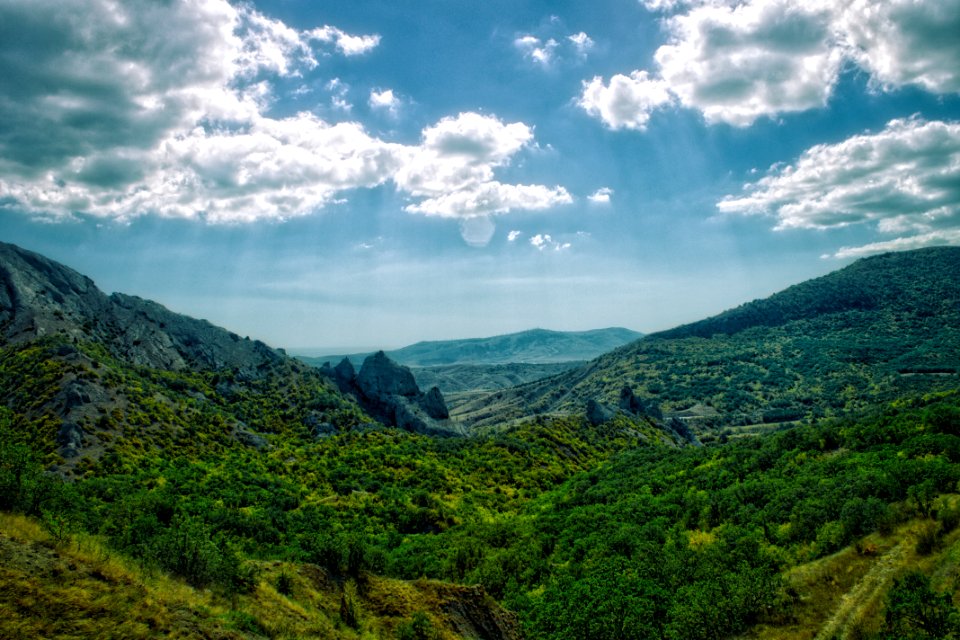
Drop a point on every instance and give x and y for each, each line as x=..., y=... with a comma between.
x=492, y=198
x=902, y=42
x=384, y=101
x=460, y=153
x=347, y=44
x=175, y=122
x=626, y=102
x=601, y=196
x=581, y=42
x=535, y=49
x=513, y=235
x=904, y=179
x=544, y=242
x=735, y=62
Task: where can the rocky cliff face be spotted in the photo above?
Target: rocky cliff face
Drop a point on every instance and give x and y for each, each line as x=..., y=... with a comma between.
x=389, y=391
x=39, y=297
x=62, y=317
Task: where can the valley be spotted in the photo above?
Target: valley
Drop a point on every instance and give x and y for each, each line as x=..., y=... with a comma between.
x=786, y=469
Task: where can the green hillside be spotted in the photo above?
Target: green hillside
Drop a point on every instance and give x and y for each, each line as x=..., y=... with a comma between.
x=881, y=328
x=161, y=478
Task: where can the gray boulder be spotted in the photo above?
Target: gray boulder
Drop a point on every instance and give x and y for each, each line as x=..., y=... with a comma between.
x=70, y=439
x=598, y=413
x=433, y=403
x=380, y=377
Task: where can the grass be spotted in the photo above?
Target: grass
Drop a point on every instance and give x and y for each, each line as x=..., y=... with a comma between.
x=78, y=588
x=842, y=595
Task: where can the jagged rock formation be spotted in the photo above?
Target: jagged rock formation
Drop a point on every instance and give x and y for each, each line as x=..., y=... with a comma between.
x=43, y=302
x=635, y=407
x=40, y=297
x=389, y=391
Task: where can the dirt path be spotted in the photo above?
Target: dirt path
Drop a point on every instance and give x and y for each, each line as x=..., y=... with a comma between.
x=867, y=591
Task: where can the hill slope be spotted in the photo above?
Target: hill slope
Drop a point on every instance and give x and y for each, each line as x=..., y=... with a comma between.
x=84, y=371
x=535, y=346
x=879, y=328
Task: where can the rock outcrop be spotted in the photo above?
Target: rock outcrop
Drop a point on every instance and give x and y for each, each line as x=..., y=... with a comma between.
x=634, y=407
x=40, y=297
x=45, y=303
x=389, y=391
x=380, y=377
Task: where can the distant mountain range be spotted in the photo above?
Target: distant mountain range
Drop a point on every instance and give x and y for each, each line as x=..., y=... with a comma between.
x=881, y=328
x=535, y=346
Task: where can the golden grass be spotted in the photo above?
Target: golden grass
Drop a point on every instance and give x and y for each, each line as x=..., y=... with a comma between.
x=842, y=595
x=80, y=589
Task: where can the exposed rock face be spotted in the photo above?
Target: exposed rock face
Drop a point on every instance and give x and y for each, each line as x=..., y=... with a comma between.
x=598, y=413
x=70, y=439
x=389, y=391
x=380, y=376
x=683, y=432
x=631, y=404
x=249, y=438
x=434, y=404
x=39, y=297
x=344, y=372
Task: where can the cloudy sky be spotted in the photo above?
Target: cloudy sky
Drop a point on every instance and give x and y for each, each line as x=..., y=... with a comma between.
x=368, y=173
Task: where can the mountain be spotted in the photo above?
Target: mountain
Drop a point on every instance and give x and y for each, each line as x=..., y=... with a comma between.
x=117, y=366
x=41, y=298
x=159, y=477
x=535, y=346
x=882, y=327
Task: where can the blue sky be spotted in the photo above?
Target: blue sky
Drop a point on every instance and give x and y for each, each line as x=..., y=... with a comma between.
x=373, y=173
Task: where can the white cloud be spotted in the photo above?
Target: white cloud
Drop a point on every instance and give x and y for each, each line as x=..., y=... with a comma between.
x=537, y=50
x=904, y=179
x=384, y=100
x=627, y=101
x=601, y=196
x=551, y=45
x=737, y=61
x=581, y=42
x=665, y=5
x=513, y=235
x=544, y=242
x=347, y=44
x=339, y=92
x=491, y=198
x=175, y=122
x=932, y=239
x=903, y=42
x=460, y=153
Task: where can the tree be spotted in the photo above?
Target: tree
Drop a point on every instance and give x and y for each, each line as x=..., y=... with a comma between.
x=915, y=610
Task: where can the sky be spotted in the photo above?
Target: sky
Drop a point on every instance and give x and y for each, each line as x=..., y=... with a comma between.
x=371, y=173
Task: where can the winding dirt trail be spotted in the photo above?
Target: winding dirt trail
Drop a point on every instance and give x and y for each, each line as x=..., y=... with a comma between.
x=868, y=590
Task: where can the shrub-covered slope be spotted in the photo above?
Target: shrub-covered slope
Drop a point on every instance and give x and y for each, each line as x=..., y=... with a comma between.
x=883, y=327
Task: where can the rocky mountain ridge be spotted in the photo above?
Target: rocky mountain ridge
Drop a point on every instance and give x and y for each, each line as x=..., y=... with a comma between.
x=109, y=360
x=40, y=297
